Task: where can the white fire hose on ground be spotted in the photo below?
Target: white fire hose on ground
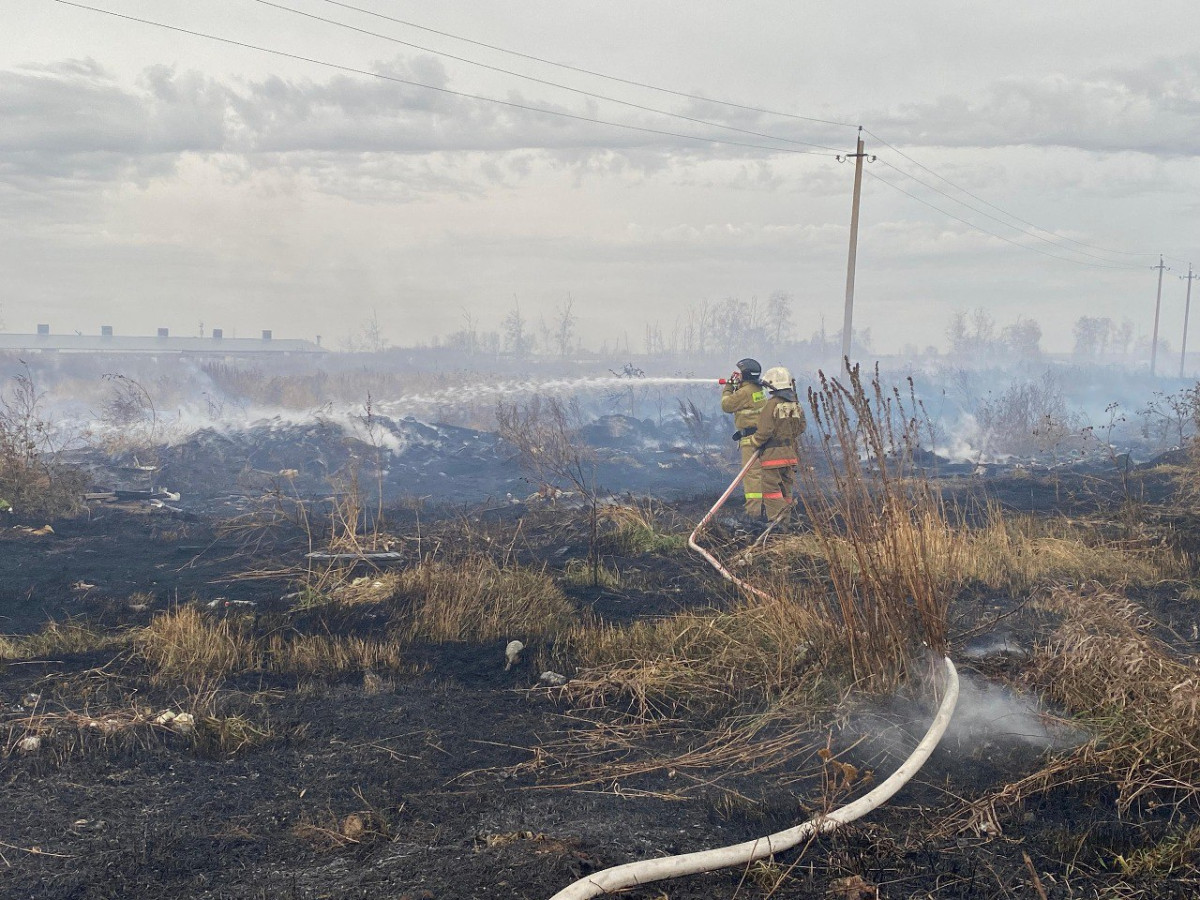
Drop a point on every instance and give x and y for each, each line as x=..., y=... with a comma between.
x=638, y=873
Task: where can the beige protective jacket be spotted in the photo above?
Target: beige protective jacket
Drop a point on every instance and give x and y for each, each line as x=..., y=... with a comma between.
x=745, y=401
x=779, y=428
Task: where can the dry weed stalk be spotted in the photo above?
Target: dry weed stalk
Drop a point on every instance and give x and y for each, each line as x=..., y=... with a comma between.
x=32, y=477
x=863, y=491
x=546, y=436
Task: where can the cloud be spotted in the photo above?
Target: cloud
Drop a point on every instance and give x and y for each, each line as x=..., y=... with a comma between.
x=76, y=106
x=1152, y=109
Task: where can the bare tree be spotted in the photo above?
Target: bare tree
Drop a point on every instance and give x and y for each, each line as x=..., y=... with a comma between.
x=1092, y=335
x=1023, y=338
x=517, y=339
x=779, y=318
x=552, y=450
x=564, y=326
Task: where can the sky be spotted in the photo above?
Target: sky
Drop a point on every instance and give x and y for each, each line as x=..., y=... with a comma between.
x=151, y=178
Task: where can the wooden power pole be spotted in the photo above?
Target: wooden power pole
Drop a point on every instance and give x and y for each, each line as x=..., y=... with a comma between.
x=1157, y=306
x=1187, y=311
x=848, y=322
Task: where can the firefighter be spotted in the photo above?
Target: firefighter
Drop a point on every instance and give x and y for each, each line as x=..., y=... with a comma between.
x=745, y=397
x=780, y=425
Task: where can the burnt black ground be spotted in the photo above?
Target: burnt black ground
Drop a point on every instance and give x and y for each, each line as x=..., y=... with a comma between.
x=428, y=757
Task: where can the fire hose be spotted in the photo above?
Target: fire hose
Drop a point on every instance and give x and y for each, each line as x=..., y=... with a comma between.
x=647, y=870
x=713, y=561
x=642, y=872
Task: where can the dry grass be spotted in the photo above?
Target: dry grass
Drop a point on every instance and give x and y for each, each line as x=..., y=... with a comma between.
x=190, y=647
x=639, y=529
x=59, y=639
x=701, y=698
x=697, y=661
x=1139, y=701
x=66, y=732
x=475, y=599
x=187, y=646
x=311, y=654
x=1016, y=554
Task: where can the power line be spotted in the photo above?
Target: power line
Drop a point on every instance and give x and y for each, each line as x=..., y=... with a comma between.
x=441, y=90
x=1016, y=218
x=1001, y=237
x=583, y=71
x=410, y=24
x=536, y=80
x=604, y=122
x=988, y=215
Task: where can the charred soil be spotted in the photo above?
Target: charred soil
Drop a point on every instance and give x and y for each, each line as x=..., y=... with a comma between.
x=437, y=771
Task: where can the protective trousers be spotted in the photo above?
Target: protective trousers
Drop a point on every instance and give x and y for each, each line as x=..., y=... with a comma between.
x=777, y=484
x=752, y=484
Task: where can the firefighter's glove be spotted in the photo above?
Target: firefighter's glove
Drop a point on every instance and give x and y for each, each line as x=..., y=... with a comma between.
x=744, y=433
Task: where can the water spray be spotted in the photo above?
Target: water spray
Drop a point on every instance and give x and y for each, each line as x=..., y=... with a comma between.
x=502, y=389
x=636, y=873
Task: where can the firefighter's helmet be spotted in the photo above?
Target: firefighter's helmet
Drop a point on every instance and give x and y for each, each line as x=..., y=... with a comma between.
x=751, y=369
x=777, y=378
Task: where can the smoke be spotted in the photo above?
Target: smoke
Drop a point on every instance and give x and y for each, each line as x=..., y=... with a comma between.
x=1052, y=414
x=994, y=731
x=990, y=713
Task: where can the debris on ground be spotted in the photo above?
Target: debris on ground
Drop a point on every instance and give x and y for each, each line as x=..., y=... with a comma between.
x=512, y=654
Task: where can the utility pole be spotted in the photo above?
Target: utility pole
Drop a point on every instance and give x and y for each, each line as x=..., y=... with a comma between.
x=1157, y=305
x=1187, y=311
x=848, y=323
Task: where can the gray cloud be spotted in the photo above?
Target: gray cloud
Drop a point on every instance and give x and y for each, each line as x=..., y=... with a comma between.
x=1153, y=109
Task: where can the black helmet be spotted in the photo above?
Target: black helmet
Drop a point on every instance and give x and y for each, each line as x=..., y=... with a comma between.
x=751, y=369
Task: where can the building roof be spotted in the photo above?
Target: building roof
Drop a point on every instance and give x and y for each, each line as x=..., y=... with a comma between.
x=86, y=343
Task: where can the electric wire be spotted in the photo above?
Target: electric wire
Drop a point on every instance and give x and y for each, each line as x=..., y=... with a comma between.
x=626, y=126
x=512, y=104
x=987, y=203
x=631, y=82
x=988, y=215
x=544, y=81
x=1001, y=237
x=1053, y=241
